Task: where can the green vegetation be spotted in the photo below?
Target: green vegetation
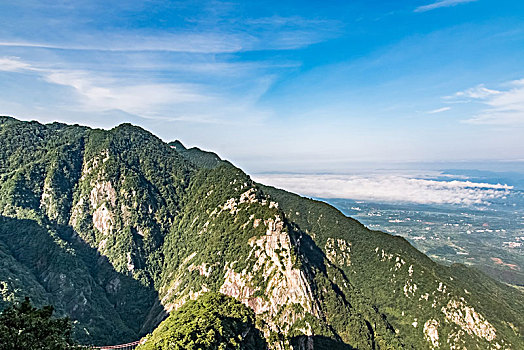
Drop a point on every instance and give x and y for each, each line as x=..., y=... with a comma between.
x=24, y=327
x=380, y=276
x=113, y=227
x=213, y=321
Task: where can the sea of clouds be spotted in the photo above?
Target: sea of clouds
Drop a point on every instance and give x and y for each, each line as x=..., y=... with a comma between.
x=388, y=188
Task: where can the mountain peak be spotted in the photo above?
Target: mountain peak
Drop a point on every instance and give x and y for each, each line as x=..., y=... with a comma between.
x=177, y=145
x=116, y=230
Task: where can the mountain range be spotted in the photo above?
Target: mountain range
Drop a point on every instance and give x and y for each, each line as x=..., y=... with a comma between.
x=117, y=228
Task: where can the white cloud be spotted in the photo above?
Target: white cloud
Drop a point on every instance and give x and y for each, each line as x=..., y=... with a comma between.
x=442, y=3
x=189, y=42
x=266, y=33
x=477, y=92
x=502, y=107
x=389, y=188
x=106, y=94
x=13, y=64
x=98, y=93
x=439, y=110
x=170, y=101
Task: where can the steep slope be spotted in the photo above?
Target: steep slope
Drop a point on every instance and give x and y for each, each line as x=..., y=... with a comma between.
x=116, y=228
x=453, y=307
x=231, y=238
x=42, y=256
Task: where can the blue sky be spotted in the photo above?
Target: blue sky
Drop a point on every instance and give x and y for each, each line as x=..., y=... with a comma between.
x=279, y=85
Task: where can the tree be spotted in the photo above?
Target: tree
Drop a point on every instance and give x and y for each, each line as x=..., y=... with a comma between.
x=212, y=322
x=24, y=327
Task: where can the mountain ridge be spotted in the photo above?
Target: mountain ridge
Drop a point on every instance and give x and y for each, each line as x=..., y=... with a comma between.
x=148, y=225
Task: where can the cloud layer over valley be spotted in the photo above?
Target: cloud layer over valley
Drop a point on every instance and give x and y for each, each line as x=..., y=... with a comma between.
x=388, y=188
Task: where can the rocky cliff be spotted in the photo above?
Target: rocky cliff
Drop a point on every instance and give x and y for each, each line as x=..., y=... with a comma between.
x=117, y=229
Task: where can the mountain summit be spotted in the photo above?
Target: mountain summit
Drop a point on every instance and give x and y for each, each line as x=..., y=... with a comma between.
x=117, y=228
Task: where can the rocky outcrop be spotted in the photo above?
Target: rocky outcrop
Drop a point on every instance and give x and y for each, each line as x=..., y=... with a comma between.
x=283, y=285
x=157, y=220
x=464, y=316
x=431, y=333
x=338, y=251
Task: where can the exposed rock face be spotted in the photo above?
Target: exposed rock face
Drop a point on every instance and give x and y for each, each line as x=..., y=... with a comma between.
x=274, y=257
x=468, y=319
x=157, y=222
x=284, y=284
x=249, y=196
x=103, y=220
x=338, y=251
x=102, y=191
x=271, y=283
x=204, y=269
x=431, y=333
x=102, y=198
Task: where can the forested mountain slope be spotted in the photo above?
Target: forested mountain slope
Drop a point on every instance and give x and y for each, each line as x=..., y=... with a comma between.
x=116, y=228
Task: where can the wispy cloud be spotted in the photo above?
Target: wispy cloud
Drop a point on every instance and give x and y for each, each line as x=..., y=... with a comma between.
x=13, y=64
x=266, y=33
x=286, y=33
x=442, y=3
x=502, y=106
x=189, y=42
x=107, y=94
x=189, y=64
x=100, y=93
x=389, y=188
x=439, y=110
x=477, y=92
x=162, y=101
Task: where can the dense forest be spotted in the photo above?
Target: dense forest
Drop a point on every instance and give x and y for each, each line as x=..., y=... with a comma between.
x=117, y=230
x=214, y=321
